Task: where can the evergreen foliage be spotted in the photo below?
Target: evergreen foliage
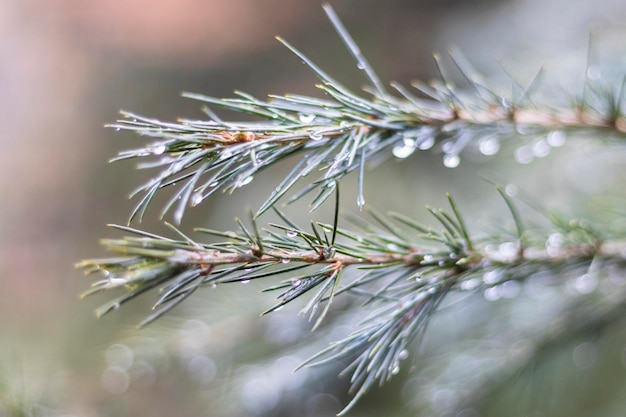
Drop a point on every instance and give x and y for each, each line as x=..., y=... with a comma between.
x=399, y=271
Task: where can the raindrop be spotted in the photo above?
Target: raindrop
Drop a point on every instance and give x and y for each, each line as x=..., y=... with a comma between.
x=285, y=261
x=245, y=281
x=594, y=72
x=115, y=380
x=117, y=129
x=491, y=277
x=470, y=284
x=491, y=294
x=291, y=233
x=296, y=282
x=403, y=151
x=586, y=283
x=427, y=143
x=489, y=146
x=306, y=118
x=393, y=247
x=403, y=354
x=196, y=199
x=214, y=184
x=119, y=355
x=360, y=66
x=511, y=190
x=556, y=138
x=360, y=201
x=245, y=181
x=328, y=252
x=585, y=355
x=508, y=249
x=451, y=160
x=540, y=148
x=225, y=154
x=555, y=240
x=408, y=141
x=395, y=370
x=159, y=149
x=523, y=155
x=316, y=136
x=509, y=289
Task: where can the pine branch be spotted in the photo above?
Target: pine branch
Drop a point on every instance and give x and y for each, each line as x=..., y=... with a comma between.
x=400, y=270
x=344, y=131
x=402, y=277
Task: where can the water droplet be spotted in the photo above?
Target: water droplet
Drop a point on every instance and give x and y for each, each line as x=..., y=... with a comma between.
x=427, y=143
x=245, y=181
x=402, y=151
x=594, y=72
x=316, y=136
x=226, y=153
x=403, y=354
x=408, y=141
x=360, y=66
x=489, y=146
x=427, y=258
x=159, y=149
x=296, y=282
x=586, y=283
x=214, y=184
x=245, y=281
x=451, y=160
x=470, y=284
x=306, y=118
x=291, y=233
x=117, y=129
x=585, y=355
x=395, y=370
x=196, y=199
x=523, y=155
x=360, y=201
x=115, y=380
x=213, y=285
x=119, y=355
x=491, y=277
x=555, y=240
x=540, y=148
x=556, y=138
x=511, y=190
x=491, y=294
x=328, y=252
x=285, y=261
x=508, y=249
x=393, y=247
x=509, y=289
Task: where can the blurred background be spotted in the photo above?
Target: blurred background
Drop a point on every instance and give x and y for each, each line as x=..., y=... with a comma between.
x=68, y=66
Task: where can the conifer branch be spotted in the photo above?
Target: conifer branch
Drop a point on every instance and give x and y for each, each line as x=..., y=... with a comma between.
x=402, y=277
x=344, y=131
x=400, y=270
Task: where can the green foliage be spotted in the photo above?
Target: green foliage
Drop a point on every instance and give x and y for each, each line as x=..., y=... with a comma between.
x=394, y=269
